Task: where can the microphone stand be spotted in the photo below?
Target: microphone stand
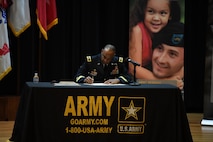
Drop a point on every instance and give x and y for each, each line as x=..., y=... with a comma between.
x=134, y=83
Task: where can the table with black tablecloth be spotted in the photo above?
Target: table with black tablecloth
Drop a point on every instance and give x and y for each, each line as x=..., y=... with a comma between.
x=101, y=113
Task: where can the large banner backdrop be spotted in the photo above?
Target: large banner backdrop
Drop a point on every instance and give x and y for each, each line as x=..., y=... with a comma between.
x=156, y=41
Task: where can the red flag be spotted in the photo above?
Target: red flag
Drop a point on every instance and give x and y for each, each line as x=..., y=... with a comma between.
x=46, y=15
x=5, y=3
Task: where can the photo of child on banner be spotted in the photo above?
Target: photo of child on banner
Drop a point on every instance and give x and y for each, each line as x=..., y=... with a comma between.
x=147, y=19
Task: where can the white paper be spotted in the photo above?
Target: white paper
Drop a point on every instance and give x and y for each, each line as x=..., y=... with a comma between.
x=102, y=84
x=66, y=83
x=207, y=122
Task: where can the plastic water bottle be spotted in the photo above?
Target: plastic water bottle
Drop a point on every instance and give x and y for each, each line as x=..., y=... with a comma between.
x=35, y=78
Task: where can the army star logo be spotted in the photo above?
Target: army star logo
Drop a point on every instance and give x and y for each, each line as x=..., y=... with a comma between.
x=131, y=110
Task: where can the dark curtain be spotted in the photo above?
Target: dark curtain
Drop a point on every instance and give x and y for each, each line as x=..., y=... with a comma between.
x=195, y=33
x=84, y=27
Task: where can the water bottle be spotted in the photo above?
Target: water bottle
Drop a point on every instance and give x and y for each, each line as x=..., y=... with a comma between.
x=35, y=78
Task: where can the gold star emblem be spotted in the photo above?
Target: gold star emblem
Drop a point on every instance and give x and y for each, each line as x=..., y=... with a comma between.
x=131, y=110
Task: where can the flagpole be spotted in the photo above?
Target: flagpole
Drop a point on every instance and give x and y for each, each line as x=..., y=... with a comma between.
x=40, y=54
x=18, y=67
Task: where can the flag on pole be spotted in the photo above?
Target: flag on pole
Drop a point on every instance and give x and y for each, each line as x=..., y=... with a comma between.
x=19, y=16
x=46, y=15
x=5, y=63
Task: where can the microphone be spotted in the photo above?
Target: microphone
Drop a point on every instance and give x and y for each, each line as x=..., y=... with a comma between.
x=131, y=61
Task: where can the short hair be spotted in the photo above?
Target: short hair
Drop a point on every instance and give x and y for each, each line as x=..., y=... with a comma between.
x=110, y=47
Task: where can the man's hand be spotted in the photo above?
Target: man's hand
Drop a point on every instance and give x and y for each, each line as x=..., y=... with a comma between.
x=112, y=81
x=89, y=80
x=180, y=83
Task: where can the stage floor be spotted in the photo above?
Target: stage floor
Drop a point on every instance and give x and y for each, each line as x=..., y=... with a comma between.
x=199, y=133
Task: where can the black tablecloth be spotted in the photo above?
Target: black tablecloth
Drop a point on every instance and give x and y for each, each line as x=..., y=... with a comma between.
x=85, y=113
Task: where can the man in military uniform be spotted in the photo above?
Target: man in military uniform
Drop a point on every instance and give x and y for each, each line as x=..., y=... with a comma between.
x=103, y=68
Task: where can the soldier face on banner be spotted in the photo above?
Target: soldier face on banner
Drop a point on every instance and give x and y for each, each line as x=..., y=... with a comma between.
x=147, y=18
x=167, y=60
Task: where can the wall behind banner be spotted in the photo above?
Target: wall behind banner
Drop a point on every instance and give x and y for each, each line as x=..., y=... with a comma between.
x=84, y=27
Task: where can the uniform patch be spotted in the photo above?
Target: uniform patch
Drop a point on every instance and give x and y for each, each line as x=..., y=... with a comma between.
x=120, y=59
x=177, y=38
x=89, y=59
x=115, y=71
x=93, y=73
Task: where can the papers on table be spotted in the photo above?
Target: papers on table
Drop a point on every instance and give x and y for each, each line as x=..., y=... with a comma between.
x=66, y=83
x=102, y=84
x=207, y=122
x=72, y=83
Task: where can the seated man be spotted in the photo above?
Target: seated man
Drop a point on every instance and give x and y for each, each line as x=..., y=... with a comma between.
x=103, y=68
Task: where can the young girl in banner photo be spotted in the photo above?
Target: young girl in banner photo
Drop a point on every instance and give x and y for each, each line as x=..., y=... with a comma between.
x=148, y=17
